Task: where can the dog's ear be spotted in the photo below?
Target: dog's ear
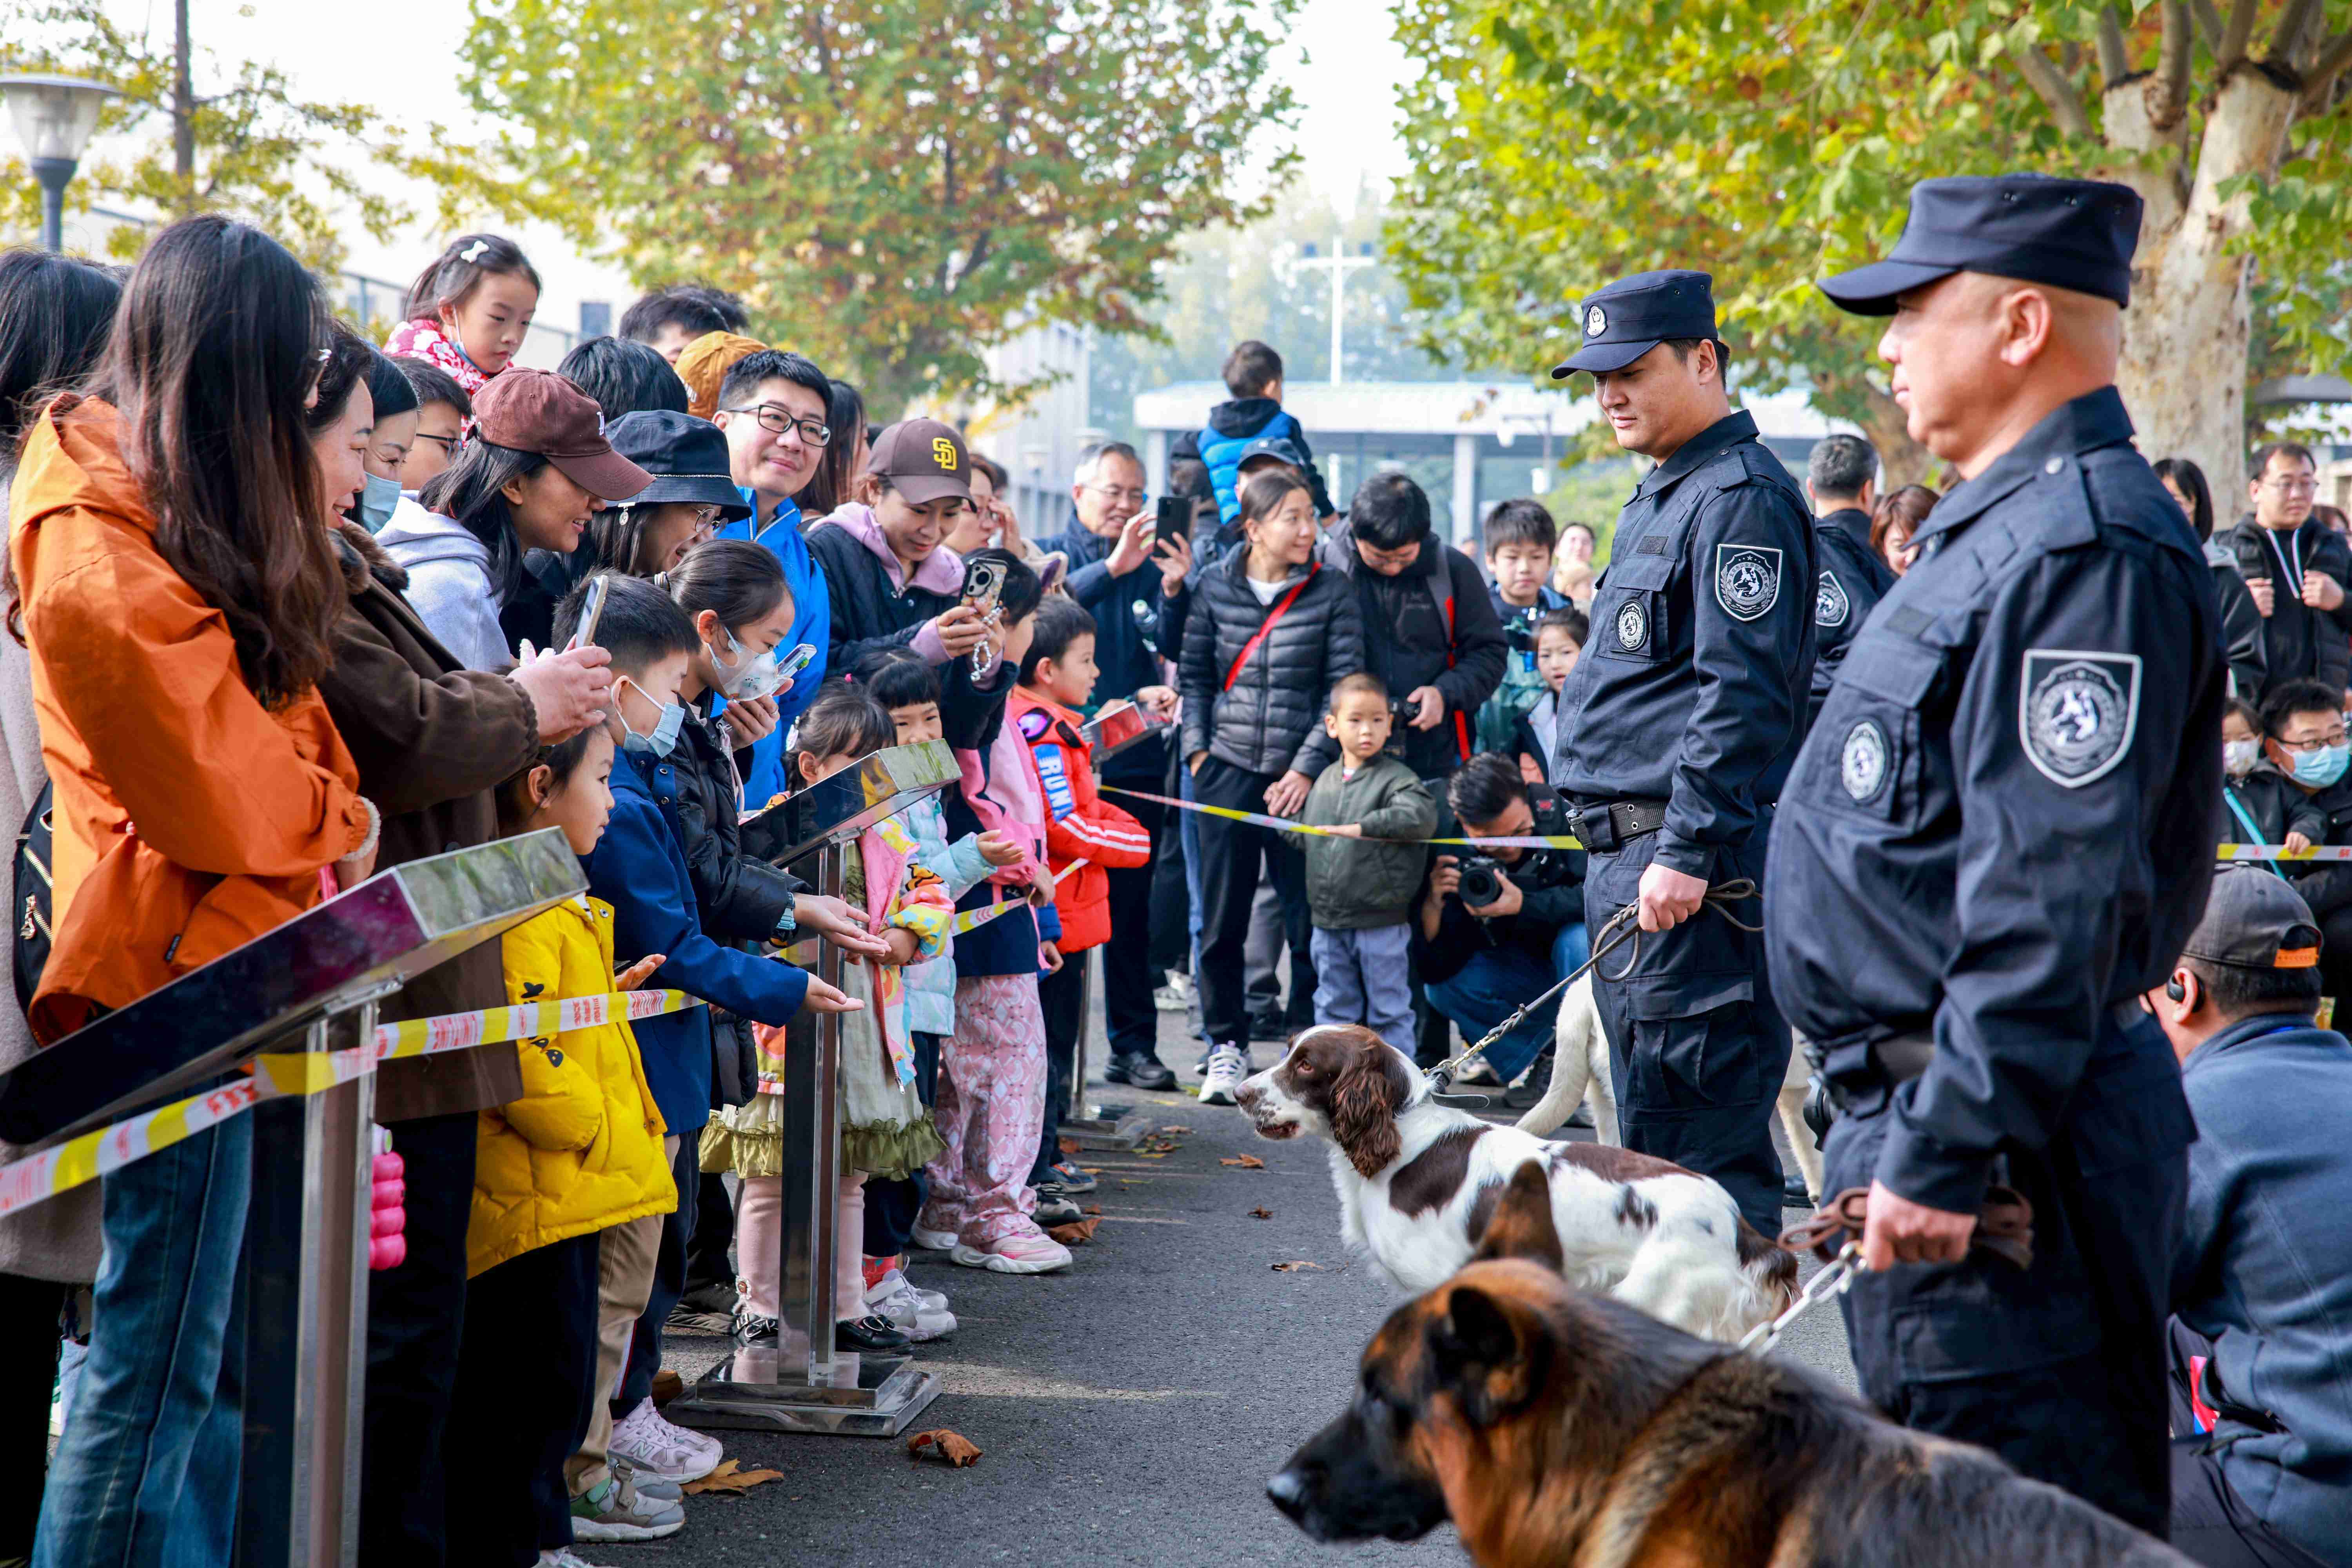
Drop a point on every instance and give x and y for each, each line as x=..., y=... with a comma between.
x=1364, y=1103
x=1489, y=1351
x=1522, y=1225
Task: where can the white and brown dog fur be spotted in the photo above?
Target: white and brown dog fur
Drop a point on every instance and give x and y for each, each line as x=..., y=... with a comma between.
x=1580, y=1073
x=1418, y=1182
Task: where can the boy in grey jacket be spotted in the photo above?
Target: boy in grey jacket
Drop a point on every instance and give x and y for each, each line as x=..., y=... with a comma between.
x=1360, y=894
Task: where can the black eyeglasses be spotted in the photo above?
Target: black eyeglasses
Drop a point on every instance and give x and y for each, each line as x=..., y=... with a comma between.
x=447, y=443
x=778, y=420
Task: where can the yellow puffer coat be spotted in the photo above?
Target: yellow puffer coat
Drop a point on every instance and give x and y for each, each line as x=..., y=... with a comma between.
x=582, y=1150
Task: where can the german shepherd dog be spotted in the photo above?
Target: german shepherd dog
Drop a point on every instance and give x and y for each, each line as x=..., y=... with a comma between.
x=1555, y=1427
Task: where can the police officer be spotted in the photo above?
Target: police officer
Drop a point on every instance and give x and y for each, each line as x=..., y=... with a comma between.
x=1677, y=728
x=2000, y=834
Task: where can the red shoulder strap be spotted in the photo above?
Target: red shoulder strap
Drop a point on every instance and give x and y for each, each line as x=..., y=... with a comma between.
x=1280, y=610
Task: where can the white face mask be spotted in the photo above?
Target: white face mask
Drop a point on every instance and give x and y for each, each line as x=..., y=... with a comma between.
x=747, y=679
x=2239, y=757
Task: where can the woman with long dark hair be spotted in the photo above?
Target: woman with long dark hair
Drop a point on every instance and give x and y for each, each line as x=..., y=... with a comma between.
x=179, y=595
x=54, y=315
x=835, y=482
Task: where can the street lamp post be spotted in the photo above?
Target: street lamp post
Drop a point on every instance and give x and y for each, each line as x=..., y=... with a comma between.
x=55, y=117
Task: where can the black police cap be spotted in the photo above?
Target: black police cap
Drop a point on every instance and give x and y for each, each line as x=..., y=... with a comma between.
x=1633, y=315
x=2070, y=234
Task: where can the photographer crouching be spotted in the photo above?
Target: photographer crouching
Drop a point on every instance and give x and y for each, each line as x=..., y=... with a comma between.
x=1494, y=931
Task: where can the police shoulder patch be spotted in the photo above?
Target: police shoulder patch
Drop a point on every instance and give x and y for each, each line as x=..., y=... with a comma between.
x=1862, y=765
x=2076, y=713
x=1831, y=606
x=1034, y=723
x=1747, y=579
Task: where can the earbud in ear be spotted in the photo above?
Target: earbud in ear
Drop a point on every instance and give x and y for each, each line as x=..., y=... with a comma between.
x=2175, y=990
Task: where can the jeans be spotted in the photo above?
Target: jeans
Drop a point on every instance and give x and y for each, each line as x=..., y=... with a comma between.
x=1359, y=978
x=1490, y=988
x=147, y=1473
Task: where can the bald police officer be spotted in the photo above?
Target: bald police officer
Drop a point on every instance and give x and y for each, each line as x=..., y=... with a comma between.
x=1677, y=726
x=2000, y=834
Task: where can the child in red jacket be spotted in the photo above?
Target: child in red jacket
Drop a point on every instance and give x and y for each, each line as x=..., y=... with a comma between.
x=1082, y=831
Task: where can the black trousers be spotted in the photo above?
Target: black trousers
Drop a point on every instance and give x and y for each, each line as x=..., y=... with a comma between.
x=891, y=1206
x=708, y=1262
x=526, y=1389
x=417, y=1319
x=2059, y=1369
x=1171, y=902
x=1697, y=1048
x=29, y=1310
x=1231, y=855
x=1129, y=973
x=1063, y=997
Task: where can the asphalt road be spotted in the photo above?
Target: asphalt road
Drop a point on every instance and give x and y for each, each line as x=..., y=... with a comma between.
x=1126, y=1410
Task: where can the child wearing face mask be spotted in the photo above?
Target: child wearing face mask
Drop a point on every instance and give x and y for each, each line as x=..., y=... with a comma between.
x=2266, y=800
x=640, y=868
x=884, y=1128
x=469, y=311
x=909, y=690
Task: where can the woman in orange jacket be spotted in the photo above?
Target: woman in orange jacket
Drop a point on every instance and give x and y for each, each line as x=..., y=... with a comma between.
x=169, y=542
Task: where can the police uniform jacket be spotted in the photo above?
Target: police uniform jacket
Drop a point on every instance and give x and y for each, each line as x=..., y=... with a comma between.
x=2001, y=827
x=1693, y=688
x=1850, y=579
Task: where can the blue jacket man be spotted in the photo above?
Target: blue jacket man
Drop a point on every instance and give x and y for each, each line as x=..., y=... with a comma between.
x=1677, y=726
x=2000, y=835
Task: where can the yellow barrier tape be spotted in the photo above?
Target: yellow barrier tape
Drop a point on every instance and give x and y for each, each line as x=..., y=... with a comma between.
x=2230, y=852
x=281, y=1073
x=1285, y=824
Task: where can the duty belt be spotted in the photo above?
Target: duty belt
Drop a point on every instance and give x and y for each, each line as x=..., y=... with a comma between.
x=1606, y=828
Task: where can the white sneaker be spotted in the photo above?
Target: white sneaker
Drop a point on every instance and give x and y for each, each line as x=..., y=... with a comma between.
x=562, y=1557
x=618, y=1511
x=932, y=1240
x=896, y=1280
x=918, y=1321
x=1177, y=996
x=653, y=1444
x=1033, y=1252
x=1228, y=1068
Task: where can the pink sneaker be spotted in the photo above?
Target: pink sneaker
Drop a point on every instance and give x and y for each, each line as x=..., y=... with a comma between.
x=1033, y=1252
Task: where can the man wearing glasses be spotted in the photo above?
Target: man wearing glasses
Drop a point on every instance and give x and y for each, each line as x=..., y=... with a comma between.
x=1120, y=570
x=2296, y=569
x=771, y=406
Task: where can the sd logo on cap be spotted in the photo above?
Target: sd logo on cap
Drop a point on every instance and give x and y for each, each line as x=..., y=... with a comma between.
x=923, y=459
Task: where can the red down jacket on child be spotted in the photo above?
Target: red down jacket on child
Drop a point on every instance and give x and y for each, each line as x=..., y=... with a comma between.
x=1079, y=824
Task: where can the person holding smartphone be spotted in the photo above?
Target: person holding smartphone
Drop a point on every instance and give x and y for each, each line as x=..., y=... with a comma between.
x=1123, y=565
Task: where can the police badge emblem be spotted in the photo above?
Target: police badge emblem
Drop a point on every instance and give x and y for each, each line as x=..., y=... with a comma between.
x=1831, y=606
x=1632, y=626
x=2076, y=713
x=1595, y=323
x=1747, y=579
x=1862, y=766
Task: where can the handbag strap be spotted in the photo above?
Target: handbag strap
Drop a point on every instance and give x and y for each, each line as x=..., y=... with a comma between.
x=1280, y=610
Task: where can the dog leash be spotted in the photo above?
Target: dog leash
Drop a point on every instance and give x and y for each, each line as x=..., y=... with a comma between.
x=2004, y=1229
x=1622, y=927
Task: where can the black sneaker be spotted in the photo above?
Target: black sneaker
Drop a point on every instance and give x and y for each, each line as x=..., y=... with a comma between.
x=1138, y=1069
x=1268, y=1026
x=753, y=1330
x=1532, y=1086
x=871, y=1333
x=1056, y=1210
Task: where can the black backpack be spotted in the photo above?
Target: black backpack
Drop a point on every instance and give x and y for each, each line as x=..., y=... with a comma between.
x=31, y=949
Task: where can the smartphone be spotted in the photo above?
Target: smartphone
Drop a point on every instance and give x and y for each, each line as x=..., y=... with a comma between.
x=1174, y=515
x=983, y=580
x=590, y=609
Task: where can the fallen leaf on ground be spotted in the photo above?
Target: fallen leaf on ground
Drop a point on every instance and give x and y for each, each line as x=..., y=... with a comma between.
x=1175, y=1130
x=953, y=1446
x=1261, y=1214
x=731, y=1480
x=1068, y=1145
x=1091, y=1208
x=1091, y=1170
x=1151, y=1153
x=1247, y=1161
x=667, y=1385
x=1072, y=1234
x=1293, y=1265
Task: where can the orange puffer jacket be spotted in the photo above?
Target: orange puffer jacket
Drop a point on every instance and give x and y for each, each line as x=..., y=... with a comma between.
x=189, y=818
x=1079, y=824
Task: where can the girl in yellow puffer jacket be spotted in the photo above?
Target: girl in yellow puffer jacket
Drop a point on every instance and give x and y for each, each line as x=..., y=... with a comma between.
x=579, y=1153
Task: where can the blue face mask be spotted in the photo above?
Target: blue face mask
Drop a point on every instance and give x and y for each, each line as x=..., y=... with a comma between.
x=664, y=739
x=2323, y=767
x=376, y=502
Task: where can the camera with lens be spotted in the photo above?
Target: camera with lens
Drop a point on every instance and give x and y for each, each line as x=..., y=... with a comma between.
x=1482, y=881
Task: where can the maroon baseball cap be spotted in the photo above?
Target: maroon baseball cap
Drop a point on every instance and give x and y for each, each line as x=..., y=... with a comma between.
x=923, y=459
x=539, y=411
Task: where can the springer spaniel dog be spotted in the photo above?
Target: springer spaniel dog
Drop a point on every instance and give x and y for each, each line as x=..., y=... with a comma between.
x=1418, y=1182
